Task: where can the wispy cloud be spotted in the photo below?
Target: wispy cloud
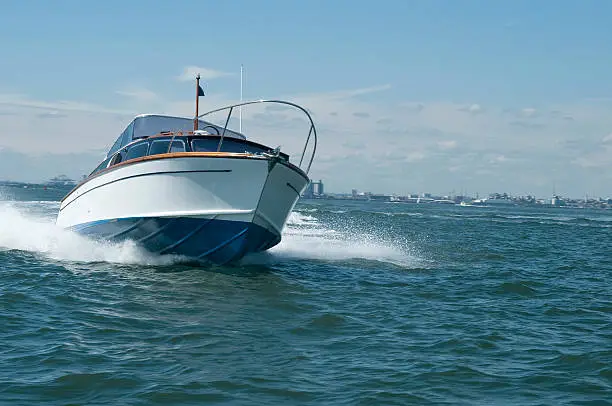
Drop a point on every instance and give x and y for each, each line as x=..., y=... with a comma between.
x=528, y=112
x=346, y=94
x=190, y=72
x=498, y=159
x=475, y=108
x=58, y=126
x=479, y=144
x=472, y=108
x=61, y=105
x=449, y=144
x=511, y=24
x=138, y=94
x=45, y=165
x=51, y=114
x=600, y=159
x=527, y=125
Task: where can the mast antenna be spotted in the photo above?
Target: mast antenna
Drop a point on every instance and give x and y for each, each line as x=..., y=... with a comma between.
x=198, y=93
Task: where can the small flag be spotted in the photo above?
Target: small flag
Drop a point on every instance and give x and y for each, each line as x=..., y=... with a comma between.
x=200, y=91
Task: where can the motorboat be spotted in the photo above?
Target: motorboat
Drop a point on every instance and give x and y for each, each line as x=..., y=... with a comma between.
x=61, y=180
x=188, y=187
x=493, y=201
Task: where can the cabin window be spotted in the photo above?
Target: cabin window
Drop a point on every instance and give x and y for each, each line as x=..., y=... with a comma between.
x=177, y=146
x=126, y=136
x=137, y=151
x=115, y=159
x=161, y=147
x=204, y=145
x=115, y=146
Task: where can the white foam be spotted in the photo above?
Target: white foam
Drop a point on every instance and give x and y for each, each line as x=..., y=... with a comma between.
x=307, y=245
x=49, y=203
x=305, y=237
x=27, y=228
x=21, y=230
x=297, y=218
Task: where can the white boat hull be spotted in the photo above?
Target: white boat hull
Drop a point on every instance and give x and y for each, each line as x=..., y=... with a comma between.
x=211, y=208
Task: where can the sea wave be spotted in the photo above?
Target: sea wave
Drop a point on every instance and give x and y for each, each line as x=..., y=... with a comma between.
x=306, y=237
x=24, y=231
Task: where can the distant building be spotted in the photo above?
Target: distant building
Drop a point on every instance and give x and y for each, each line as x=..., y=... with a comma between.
x=318, y=188
x=380, y=197
x=557, y=201
x=314, y=190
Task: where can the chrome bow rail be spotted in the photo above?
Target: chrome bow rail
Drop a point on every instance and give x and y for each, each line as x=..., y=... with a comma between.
x=311, y=132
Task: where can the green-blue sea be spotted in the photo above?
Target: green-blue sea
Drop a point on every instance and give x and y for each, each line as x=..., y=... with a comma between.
x=360, y=304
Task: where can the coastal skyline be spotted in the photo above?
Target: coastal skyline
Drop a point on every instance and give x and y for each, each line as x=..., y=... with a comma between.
x=415, y=96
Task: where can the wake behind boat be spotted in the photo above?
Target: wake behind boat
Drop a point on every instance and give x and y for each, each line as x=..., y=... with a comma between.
x=189, y=187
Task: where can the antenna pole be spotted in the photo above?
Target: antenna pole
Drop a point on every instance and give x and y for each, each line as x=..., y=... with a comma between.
x=195, y=120
x=240, y=110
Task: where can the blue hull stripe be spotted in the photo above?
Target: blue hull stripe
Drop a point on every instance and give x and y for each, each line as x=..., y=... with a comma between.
x=223, y=244
x=82, y=227
x=207, y=239
x=121, y=233
x=156, y=232
x=185, y=238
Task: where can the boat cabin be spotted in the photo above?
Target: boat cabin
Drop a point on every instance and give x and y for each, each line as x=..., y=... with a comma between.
x=151, y=134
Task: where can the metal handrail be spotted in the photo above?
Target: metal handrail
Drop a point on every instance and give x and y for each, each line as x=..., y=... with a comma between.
x=312, y=131
x=224, y=128
x=180, y=133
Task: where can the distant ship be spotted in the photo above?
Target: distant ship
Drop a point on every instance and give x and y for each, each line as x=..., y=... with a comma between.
x=61, y=180
x=492, y=202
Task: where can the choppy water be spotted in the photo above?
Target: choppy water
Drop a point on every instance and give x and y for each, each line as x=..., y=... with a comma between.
x=360, y=304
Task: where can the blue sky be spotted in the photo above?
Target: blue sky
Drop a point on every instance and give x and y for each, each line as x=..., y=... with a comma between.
x=431, y=95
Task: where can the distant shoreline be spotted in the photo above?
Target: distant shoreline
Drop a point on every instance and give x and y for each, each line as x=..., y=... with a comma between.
x=568, y=203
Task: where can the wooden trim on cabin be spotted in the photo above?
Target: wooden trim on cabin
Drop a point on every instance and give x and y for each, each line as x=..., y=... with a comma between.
x=193, y=137
x=186, y=154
